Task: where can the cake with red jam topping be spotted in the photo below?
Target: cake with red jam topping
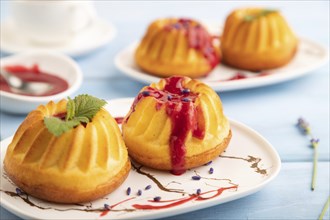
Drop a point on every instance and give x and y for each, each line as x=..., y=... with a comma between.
x=173, y=46
x=176, y=124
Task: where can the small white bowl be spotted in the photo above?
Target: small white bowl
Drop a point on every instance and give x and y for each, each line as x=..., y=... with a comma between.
x=49, y=62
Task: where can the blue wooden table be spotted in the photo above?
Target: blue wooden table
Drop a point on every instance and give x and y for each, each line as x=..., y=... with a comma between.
x=272, y=110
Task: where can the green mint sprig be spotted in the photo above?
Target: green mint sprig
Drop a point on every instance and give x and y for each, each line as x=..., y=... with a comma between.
x=262, y=13
x=79, y=110
x=305, y=128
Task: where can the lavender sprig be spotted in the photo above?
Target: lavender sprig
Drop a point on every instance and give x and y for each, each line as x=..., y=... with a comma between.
x=325, y=208
x=305, y=128
x=315, y=144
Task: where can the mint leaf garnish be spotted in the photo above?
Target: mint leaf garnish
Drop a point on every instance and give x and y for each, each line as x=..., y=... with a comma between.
x=81, y=109
x=57, y=126
x=70, y=109
x=82, y=119
x=262, y=13
x=87, y=106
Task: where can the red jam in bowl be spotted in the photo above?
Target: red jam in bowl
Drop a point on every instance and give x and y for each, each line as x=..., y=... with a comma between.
x=34, y=74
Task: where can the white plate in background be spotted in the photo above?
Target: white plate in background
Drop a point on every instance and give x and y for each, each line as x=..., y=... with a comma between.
x=309, y=57
x=96, y=35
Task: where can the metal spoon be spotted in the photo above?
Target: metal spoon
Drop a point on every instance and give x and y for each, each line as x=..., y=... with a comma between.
x=20, y=86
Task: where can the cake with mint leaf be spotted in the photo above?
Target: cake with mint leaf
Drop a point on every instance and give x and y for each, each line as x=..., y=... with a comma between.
x=68, y=152
x=257, y=39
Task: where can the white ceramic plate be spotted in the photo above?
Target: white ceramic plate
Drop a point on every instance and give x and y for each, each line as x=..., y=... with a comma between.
x=96, y=35
x=49, y=62
x=249, y=163
x=309, y=57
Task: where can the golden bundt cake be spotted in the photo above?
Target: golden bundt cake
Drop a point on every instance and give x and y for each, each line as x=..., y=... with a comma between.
x=177, y=47
x=81, y=164
x=257, y=39
x=175, y=125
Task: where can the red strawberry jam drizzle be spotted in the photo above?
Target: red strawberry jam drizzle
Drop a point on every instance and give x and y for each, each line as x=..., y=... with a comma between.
x=34, y=74
x=113, y=206
x=61, y=115
x=198, y=38
x=172, y=202
x=239, y=76
x=119, y=120
x=176, y=202
x=185, y=117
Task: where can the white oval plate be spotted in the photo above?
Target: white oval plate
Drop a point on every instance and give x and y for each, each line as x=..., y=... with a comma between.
x=96, y=35
x=249, y=163
x=309, y=57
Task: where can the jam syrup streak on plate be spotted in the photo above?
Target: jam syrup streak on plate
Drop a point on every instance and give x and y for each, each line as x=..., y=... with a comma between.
x=176, y=202
x=185, y=116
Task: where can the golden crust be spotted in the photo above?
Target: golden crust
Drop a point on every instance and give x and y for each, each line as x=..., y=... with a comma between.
x=190, y=161
x=159, y=68
x=80, y=165
x=54, y=193
x=166, y=53
x=258, y=62
x=266, y=42
x=147, y=129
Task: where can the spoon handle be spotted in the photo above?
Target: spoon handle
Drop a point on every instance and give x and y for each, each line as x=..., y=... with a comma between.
x=11, y=79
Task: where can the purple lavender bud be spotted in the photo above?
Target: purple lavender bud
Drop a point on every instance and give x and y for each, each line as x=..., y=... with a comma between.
x=208, y=163
x=139, y=193
x=196, y=177
x=303, y=125
x=128, y=191
x=211, y=170
x=19, y=191
x=314, y=142
x=198, y=191
x=157, y=198
x=209, y=49
x=185, y=100
x=107, y=207
x=169, y=97
x=176, y=26
x=145, y=93
x=185, y=91
x=148, y=187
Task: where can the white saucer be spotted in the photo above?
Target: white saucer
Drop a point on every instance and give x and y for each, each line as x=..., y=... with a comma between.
x=97, y=34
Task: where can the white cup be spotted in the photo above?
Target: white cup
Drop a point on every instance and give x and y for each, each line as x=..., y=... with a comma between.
x=49, y=21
